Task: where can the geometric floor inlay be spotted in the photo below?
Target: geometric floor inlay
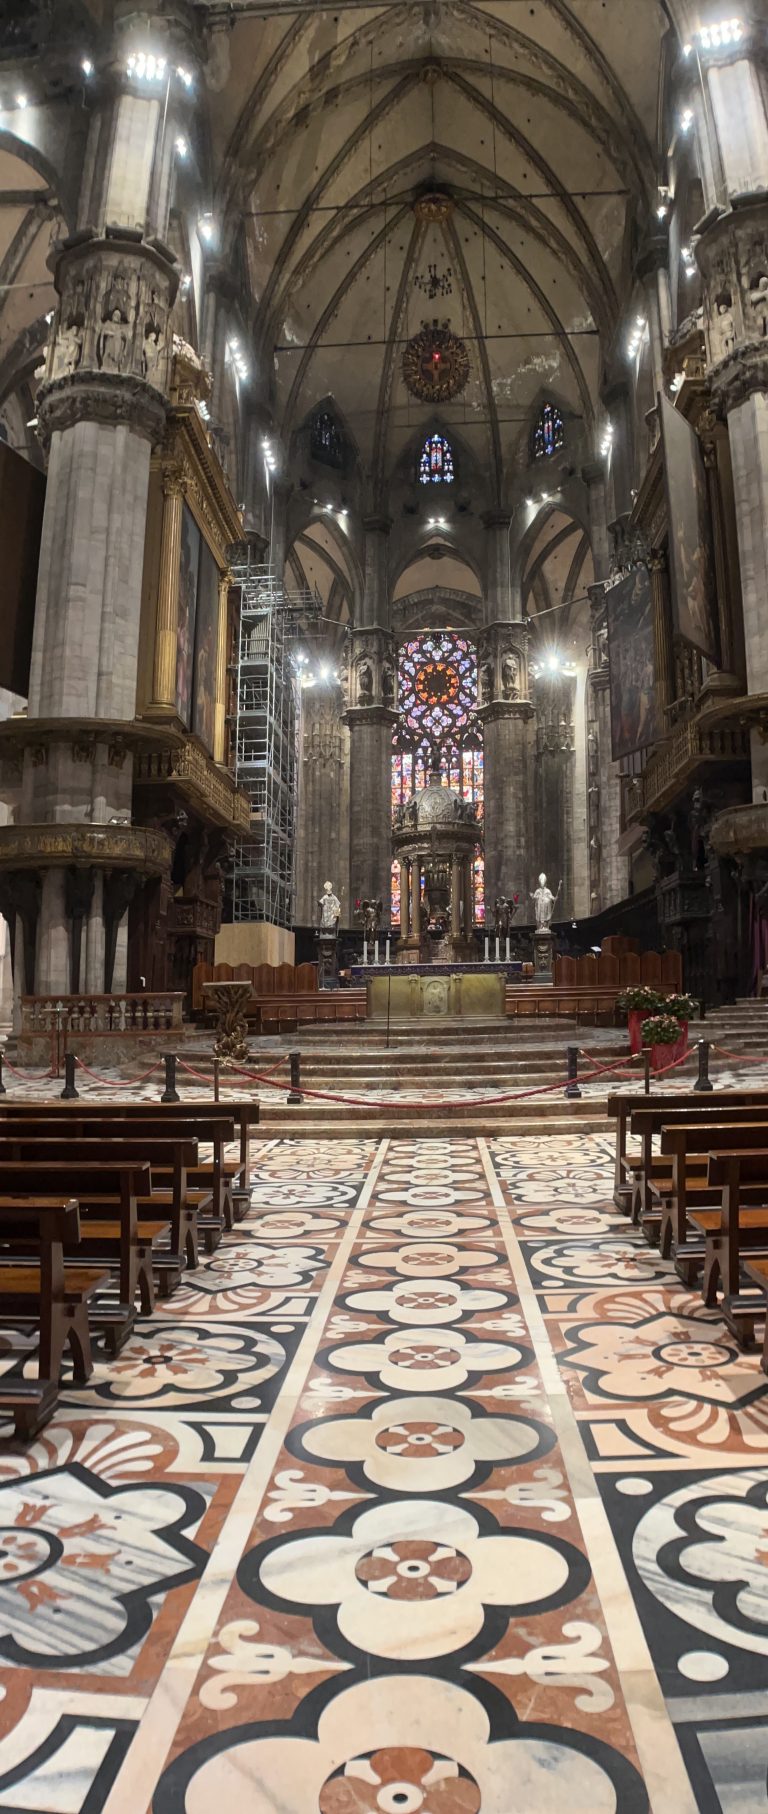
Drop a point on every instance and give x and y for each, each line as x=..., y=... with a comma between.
x=432, y=1492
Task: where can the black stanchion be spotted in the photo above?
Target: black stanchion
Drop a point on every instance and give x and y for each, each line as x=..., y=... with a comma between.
x=703, y=1081
x=170, y=1093
x=647, y=1073
x=3, y=1090
x=216, y=1077
x=70, y=1090
x=295, y=1090
x=572, y=1086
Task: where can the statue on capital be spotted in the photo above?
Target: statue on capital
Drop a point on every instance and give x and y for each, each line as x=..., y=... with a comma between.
x=330, y=909
x=544, y=903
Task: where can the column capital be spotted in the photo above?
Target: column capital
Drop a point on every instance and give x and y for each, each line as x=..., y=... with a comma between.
x=107, y=398
x=377, y=525
x=593, y=473
x=740, y=376
x=496, y=519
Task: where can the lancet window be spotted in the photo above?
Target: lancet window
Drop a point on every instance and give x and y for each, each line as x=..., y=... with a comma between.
x=549, y=432
x=436, y=461
x=326, y=440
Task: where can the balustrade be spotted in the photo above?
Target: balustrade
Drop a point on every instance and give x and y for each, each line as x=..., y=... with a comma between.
x=112, y=1013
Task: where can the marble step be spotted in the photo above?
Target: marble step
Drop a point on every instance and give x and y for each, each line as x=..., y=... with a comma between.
x=303, y=1127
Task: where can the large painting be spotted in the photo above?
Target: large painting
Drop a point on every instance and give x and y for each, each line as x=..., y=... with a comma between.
x=691, y=560
x=206, y=632
x=635, y=715
x=189, y=567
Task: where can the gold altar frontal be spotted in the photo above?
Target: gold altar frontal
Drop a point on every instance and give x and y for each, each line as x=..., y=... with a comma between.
x=463, y=995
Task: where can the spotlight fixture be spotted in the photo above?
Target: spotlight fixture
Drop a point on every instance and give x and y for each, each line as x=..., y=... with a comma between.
x=145, y=67
x=185, y=285
x=49, y=317
x=184, y=75
x=207, y=229
x=182, y=148
x=721, y=34
x=607, y=441
x=22, y=101
x=87, y=67
x=636, y=337
x=203, y=409
x=686, y=120
x=238, y=359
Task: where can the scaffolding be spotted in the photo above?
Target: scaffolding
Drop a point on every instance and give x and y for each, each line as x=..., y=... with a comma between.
x=266, y=740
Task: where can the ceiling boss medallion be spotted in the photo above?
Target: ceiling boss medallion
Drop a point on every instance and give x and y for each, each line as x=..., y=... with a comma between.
x=435, y=363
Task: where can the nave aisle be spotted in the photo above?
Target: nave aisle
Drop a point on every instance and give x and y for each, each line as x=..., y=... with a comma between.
x=433, y=1493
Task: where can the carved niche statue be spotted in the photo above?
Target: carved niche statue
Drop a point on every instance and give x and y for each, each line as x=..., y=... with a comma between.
x=330, y=909
x=365, y=684
x=758, y=296
x=387, y=684
x=486, y=683
x=544, y=903
x=509, y=686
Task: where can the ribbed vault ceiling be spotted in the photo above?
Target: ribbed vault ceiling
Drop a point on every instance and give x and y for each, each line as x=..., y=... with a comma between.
x=537, y=117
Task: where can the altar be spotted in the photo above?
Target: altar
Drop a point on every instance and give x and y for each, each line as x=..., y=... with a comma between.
x=472, y=993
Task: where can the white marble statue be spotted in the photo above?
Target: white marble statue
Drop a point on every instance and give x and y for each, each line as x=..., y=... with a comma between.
x=544, y=901
x=330, y=909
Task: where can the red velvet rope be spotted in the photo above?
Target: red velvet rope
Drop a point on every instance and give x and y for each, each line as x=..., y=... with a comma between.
x=740, y=1057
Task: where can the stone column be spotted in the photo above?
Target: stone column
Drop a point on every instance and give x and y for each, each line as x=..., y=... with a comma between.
x=593, y=475
x=503, y=598
x=167, y=616
x=733, y=254
x=323, y=818
x=456, y=897
x=222, y=652
x=405, y=898
x=371, y=717
x=375, y=604
x=416, y=897
x=607, y=868
x=101, y=407
x=467, y=893
x=507, y=716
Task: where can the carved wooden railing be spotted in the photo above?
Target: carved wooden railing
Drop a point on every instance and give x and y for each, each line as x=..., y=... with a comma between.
x=113, y=1013
x=689, y=747
x=194, y=773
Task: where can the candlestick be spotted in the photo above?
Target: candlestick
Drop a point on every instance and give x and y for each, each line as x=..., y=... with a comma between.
x=487, y=948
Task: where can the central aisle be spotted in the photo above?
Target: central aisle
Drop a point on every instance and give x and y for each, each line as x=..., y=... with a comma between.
x=427, y=1480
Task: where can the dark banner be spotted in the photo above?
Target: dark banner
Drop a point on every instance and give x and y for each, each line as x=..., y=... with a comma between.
x=691, y=559
x=635, y=716
x=22, y=497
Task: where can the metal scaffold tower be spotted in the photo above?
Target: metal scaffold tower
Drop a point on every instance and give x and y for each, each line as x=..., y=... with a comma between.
x=266, y=731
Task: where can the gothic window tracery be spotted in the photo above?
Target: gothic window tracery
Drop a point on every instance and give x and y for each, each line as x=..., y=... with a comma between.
x=549, y=432
x=437, y=723
x=436, y=461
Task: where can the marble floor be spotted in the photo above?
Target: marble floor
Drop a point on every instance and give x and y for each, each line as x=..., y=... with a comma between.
x=432, y=1492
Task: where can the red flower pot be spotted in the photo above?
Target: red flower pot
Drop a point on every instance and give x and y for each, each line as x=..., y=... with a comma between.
x=662, y=1056
x=635, y=1018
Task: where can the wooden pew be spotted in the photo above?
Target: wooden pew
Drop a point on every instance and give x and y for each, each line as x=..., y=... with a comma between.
x=739, y=1225
x=114, y=1187
x=43, y=1290
x=685, y=1150
x=621, y=1104
x=172, y=1147
x=756, y=1268
x=229, y=1178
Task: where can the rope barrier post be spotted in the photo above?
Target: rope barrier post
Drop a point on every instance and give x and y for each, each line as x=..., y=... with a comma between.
x=572, y=1086
x=216, y=1078
x=3, y=1090
x=70, y=1090
x=646, y=1071
x=703, y=1081
x=295, y=1090
x=170, y=1093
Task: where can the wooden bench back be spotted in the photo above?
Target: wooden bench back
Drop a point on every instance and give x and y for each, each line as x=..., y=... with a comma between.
x=728, y=1166
x=714, y=1113
x=45, y=1144
x=80, y=1177
x=622, y=1102
x=690, y=1137
x=47, y=1218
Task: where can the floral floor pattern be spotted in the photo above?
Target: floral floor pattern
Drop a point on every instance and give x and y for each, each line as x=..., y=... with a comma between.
x=432, y=1492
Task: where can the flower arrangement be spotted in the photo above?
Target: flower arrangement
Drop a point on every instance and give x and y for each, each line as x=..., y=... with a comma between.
x=661, y=1030
x=682, y=1006
x=639, y=995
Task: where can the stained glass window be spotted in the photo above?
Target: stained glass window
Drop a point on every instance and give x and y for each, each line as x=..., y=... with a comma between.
x=436, y=461
x=548, y=434
x=437, y=697
x=326, y=441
